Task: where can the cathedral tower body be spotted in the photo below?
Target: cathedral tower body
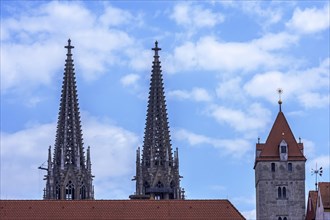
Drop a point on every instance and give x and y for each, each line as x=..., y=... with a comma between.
x=69, y=174
x=280, y=174
x=157, y=173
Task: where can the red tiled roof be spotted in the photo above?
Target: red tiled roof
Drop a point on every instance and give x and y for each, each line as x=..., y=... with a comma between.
x=280, y=131
x=324, y=188
x=311, y=206
x=118, y=209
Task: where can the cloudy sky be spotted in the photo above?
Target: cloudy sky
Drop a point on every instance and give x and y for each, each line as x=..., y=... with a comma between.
x=222, y=64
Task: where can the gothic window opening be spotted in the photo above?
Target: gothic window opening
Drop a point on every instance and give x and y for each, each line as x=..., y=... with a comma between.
x=283, y=149
x=285, y=218
x=284, y=192
x=57, y=191
x=69, y=191
x=273, y=167
x=279, y=192
x=146, y=186
x=82, y=191
x=172, y=184
x=290, y=167
x=279, y=218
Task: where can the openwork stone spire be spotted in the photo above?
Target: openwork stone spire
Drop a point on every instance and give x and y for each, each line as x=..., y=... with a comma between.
x=69, y=174
x=157, y=175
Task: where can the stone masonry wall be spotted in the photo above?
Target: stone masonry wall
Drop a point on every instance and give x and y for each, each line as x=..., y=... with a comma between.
x=269, y=205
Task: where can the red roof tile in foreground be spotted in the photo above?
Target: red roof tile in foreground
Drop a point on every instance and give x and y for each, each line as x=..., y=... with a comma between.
x=118, y=209
x=324, y=188
x=280, y=131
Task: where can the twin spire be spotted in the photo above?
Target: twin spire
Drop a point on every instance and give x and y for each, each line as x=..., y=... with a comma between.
x=69, y=173
x=157, y=172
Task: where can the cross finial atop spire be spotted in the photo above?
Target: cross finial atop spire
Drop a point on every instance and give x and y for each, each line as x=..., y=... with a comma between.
x=69, y=47
x=156, y=48
x=280, y=91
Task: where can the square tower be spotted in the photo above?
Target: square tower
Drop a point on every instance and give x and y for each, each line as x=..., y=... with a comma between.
x=280, y=174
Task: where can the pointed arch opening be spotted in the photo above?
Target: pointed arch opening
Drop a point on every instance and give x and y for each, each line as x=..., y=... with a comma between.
x=82, y=191
x=279, y=192
x=146, y=186
x=57, y=191
x=69, y=191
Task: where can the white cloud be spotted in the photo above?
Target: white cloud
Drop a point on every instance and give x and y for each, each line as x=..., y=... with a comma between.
x=193, y=16
x=267, y=15
x=250, y=215
x=235, y=148
x=112, y=148
x=32, y=47
x=264, y=15
x=312, y=99
x=141, y=58
x=116, y=16
x=212, y=55
x=277, y=41
x=112, y=155
x=254, y=119
x=310, y=93
x=309, y=148
x=231, y=89
x=321, y=161
x=130, y=79
x=196, y=94
x=23, y=65
x=310, y=20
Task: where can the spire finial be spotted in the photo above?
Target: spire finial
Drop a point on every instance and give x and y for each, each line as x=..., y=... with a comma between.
x=280, y=91
x=69, y=47
x=156, y=48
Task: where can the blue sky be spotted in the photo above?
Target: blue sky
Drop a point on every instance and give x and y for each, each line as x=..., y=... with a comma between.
x=222, y=64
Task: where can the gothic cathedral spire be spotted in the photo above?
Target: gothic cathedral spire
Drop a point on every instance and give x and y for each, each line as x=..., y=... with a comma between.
x=69, y=174
x=157, y=174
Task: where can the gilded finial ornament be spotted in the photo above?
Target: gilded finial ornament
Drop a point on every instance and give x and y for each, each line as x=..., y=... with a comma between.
x=280, y=91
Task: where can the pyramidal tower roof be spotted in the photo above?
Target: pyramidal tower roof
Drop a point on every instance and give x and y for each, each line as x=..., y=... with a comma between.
x=280, y=131
x=69, y=149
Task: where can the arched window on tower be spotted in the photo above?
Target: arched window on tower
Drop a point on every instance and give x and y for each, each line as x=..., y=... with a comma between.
x=284, y=192
x=279, y=218
x=285, y=218
x=279, y=192
x=69, y=191
x=273, y=167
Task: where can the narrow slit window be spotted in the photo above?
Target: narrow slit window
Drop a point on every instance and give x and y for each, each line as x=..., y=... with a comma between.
x=284, y=192
x=279, y=192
